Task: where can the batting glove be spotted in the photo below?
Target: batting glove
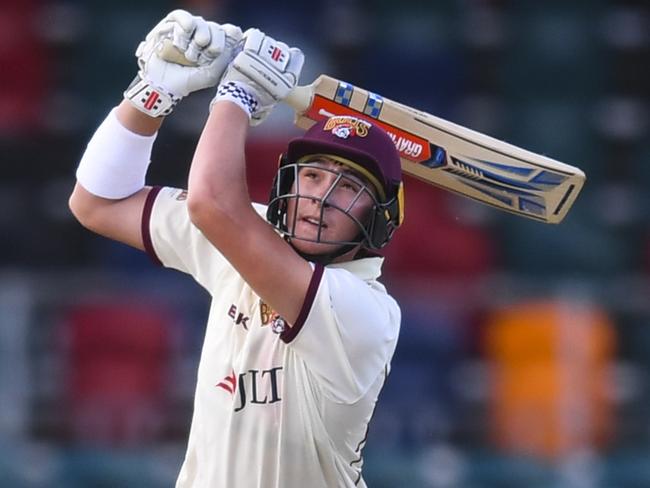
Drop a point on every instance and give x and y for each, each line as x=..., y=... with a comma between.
x=206, y=49
x=262, y=74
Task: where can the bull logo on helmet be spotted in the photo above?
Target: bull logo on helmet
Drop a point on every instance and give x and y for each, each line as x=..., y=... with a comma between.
x=342, y=131
x=345, y=127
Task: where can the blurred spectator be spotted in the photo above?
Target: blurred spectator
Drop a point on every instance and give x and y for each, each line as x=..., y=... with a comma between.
x=550, y=384
x=25, y=68
x=118, y=354
x=434, y=241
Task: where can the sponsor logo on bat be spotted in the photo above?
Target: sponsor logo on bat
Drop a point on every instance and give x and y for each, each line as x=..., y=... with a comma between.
x=406, y=146
x=410, y=146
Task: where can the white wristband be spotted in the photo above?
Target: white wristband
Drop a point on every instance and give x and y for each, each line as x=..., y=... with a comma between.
x=115, y=162
x=238, y=93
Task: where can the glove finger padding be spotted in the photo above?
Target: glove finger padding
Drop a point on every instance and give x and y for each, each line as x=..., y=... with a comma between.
x=206, y=43
x=218, y=41
x=184, y=26
x=265, y=69
x=234, y=35
x=178, y=26
x=202, y=34
x=296, y=62
x=183, y=18
x=264, y=61
x=204, y=50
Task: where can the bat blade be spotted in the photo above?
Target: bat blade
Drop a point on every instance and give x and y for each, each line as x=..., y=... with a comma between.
x=442, y=153
x=450, y=156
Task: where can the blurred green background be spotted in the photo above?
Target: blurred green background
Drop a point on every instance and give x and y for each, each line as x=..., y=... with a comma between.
x=524, y=353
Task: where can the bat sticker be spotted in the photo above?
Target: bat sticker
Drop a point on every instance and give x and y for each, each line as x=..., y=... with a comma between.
x=373, y=106
x=344, y=93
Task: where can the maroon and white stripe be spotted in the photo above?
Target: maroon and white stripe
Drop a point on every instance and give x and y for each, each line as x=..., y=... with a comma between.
x=290, y=333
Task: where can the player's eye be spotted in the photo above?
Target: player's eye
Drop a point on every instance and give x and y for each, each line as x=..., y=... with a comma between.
x=310, y=174
x=349, y=185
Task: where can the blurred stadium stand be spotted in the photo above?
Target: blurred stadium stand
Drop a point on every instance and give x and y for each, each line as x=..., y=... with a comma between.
x=569, y=79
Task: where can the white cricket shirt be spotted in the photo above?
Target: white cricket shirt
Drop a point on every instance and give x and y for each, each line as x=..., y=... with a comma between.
x=278, y=407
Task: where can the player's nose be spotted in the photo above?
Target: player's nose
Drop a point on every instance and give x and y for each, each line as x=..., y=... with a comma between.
x=322, y=190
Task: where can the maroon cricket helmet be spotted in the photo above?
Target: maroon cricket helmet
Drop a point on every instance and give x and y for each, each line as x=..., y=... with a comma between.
x=364, y=147
x=356, y=140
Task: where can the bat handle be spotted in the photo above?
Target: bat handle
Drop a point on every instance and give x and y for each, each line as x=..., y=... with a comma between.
x=299, y=98
x=171, y=53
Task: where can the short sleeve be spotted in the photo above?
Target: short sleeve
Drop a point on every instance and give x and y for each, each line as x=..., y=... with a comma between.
x=347, y=332
x=172, y=240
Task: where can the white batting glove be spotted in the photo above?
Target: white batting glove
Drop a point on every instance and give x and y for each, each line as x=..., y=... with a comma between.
x=207, y=49
x=261, y=75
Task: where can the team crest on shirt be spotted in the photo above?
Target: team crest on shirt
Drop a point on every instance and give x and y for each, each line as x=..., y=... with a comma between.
x=345, y=127
x=270, y=316
x=182, y=195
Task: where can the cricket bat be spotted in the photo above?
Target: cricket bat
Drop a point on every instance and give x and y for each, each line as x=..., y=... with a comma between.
x=442, y=153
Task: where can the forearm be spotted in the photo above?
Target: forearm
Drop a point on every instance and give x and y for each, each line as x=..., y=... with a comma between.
x=110, y=192
x=136, y=121
x=119, y=220
x=249, y=90
x=217, y=180
x=219, y=206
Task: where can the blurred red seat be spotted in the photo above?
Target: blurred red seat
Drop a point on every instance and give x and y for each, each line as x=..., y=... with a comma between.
x=118, y=355
x=434, y=242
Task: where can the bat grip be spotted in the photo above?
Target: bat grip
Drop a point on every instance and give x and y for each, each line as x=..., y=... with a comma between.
x=171, y=53
x=299, y=98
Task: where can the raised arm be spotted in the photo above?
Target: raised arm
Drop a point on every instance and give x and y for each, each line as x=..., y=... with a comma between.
x=110, y=193
x=219, y=203
x=118, y=219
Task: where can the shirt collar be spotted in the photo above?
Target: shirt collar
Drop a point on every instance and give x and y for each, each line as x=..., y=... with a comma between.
x=366, y=268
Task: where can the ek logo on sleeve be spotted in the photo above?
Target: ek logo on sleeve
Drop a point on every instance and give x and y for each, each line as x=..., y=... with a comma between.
x=238, y=318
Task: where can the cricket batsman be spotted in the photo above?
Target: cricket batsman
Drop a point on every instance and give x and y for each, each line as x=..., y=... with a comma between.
x=300, y=334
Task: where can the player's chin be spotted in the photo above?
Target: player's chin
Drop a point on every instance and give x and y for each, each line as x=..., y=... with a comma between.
x=313, y=248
